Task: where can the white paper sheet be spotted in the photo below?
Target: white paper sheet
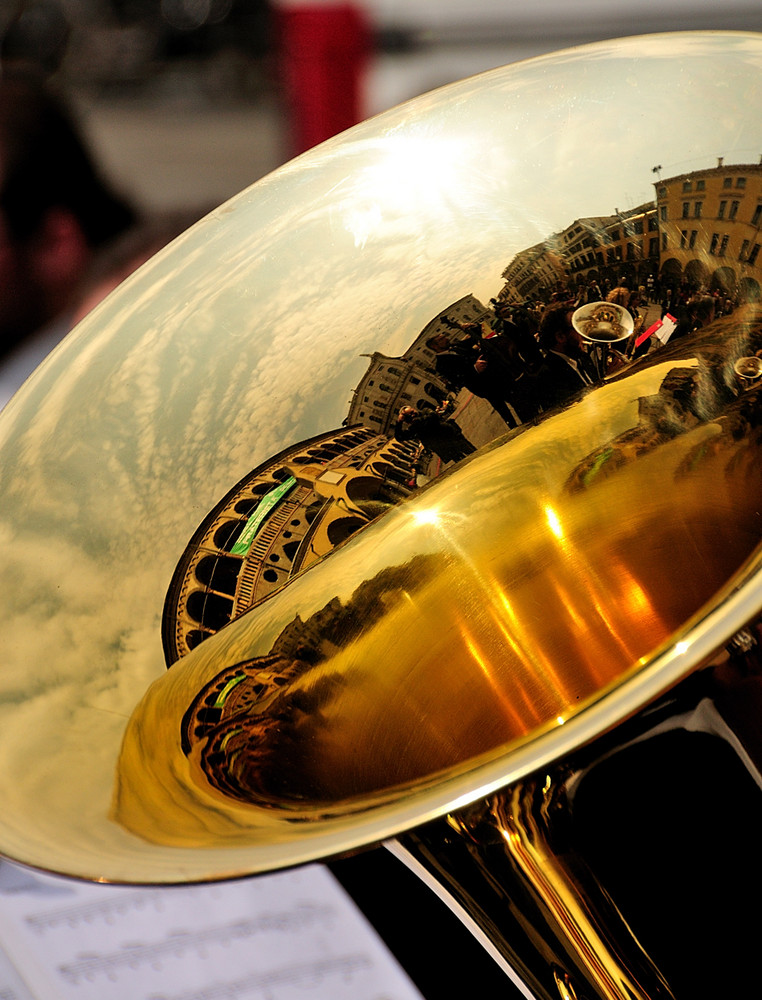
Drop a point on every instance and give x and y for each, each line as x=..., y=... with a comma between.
x=290, y=936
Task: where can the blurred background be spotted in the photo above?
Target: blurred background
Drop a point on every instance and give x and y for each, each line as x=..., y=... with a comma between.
x=186, y=102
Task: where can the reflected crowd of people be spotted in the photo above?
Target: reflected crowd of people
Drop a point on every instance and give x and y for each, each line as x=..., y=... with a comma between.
x=695, y=306
x=527, y=358
x=520, y=359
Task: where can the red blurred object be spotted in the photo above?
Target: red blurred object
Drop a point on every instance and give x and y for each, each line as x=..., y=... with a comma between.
x=323, y=50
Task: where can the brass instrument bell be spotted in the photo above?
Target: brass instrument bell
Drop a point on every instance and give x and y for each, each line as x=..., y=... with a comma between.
x=252, y=622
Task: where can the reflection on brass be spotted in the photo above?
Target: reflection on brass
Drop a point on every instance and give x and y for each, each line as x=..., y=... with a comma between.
x=525, y=594
x=748, y=369
x=279, y=520
x=587, y=866
x=255, y=715
x=603, y=321
x=328, y=527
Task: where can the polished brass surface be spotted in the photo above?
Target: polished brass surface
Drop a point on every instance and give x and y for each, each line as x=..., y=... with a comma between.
x=589, y=949
x=418, y=653
x=496, y=606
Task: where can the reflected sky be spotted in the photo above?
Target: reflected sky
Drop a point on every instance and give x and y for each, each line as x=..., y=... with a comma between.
x=247, y=334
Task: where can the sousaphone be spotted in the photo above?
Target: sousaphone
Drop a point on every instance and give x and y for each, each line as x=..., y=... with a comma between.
x=257, y=616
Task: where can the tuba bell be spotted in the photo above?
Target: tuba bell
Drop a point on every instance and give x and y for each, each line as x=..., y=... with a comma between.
x=302, y=558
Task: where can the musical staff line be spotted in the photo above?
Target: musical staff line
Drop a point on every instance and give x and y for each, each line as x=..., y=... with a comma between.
x=107, y=911
x=264, y=984
x=90, y=965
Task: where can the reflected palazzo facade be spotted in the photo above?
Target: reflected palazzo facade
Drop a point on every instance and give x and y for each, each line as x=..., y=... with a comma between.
x=710, y=228
x=279, y=519
x=703, y=228
x=410, y=379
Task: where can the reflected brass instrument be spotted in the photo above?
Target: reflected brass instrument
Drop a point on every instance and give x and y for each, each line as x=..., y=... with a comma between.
x=512, y=634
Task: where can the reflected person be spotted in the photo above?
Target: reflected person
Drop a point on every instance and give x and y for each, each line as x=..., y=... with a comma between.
x=567, y=367
x=463, y=365
x=436, y=432
x=57, y=214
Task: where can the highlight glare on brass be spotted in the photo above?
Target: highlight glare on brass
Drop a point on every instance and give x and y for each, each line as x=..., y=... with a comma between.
x=374, y=630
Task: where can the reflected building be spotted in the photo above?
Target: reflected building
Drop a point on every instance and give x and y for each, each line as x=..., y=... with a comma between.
x=534, y=272
x=248, y=720
x=702, y=230
x=300, y=504
x=709, y=224
x=411, y=379
x=279, y=519
x=624, y=245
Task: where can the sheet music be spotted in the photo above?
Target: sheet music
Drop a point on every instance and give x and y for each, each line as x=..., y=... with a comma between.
x=291, y=936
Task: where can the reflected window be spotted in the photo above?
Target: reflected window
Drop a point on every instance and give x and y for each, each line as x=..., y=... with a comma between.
x=313, y=510
x=210, y=610
x=195, y=637
x=343, y=528
x=290, y=549
x=227, y=534
x=219, y=573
